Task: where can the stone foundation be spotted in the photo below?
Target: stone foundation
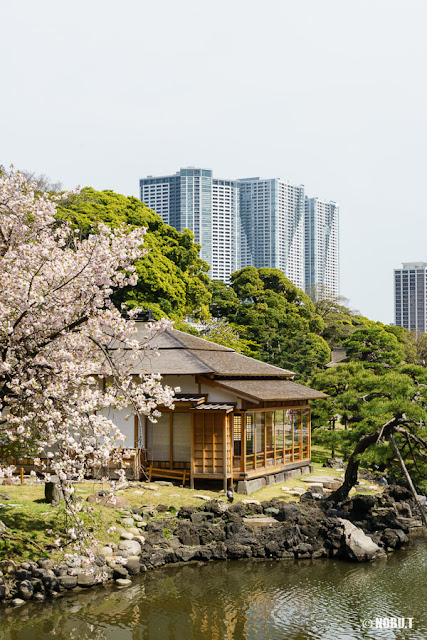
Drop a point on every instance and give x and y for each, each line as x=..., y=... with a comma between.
x=249, y=486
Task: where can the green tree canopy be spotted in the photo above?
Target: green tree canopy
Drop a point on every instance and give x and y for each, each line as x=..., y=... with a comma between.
x=172, y=279
x=373, y=343
x=365, y=397
x=277, y=316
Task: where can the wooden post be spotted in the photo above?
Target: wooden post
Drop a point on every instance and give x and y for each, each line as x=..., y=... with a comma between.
x=192, y=452
x=243, y=458
x=408, y=479
x=21, y=473
x=170, y=440
x=273, y=432
x=224, y=450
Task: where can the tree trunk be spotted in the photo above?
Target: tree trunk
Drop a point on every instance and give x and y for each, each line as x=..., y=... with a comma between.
x=408, y=479
x=350, y=477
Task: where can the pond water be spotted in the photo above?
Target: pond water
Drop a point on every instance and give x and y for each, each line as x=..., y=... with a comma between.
x=241, y=600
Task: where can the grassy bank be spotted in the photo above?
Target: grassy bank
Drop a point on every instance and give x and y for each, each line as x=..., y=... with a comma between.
x=33, y=524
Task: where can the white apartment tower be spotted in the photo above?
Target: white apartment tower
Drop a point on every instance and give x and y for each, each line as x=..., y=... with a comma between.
x=410, y=299
x=252, y=222
x=272, y=226
x=209, y=207
x=321, y=247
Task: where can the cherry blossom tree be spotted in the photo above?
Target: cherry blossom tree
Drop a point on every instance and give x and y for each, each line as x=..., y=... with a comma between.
x=66, y=353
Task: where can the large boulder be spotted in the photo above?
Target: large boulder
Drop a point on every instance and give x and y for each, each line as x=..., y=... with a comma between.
x=105, y=500
x=357, y=545
x=131, y=547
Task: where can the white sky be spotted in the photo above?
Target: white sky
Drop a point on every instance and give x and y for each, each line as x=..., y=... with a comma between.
x=328, y=93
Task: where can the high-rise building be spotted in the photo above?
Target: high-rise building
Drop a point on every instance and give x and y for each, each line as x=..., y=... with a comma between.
x=251, y=222
x=321, y=247
x=272, y=226
x=410, y=286
x=209, y=207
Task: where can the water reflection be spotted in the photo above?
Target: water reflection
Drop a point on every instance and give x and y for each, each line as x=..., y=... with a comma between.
x=244, y=600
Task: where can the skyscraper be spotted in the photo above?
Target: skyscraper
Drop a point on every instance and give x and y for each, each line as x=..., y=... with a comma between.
x=410, y=286
x=193, y=199
x=251, y=222
x=321, y=246
x=272, y=226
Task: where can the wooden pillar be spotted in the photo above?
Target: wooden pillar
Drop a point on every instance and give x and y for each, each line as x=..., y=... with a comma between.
x=273, y=431
x=243, y=453
x=170, y=440
x=224, y=450
x=192, y=453
x=265, y=437
x=293, y=439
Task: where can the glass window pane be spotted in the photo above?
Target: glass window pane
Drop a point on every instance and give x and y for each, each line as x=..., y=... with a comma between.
x=279, y=429
x=250, y=433
x=260, y=432
x=269, y=422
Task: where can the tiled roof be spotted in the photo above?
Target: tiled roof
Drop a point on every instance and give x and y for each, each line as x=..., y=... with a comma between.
x=271, y=389
x=182, y=353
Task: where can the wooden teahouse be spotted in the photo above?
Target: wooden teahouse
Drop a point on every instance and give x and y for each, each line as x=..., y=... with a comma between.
x=236, y=419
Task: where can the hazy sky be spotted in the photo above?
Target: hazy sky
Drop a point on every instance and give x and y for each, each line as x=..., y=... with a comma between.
x=328, y=93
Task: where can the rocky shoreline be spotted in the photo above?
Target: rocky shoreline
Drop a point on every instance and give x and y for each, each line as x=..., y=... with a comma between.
x=361, y=529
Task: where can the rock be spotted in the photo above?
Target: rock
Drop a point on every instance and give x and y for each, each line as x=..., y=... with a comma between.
x=22, y=575
x=201, y=497
x=201, y=516
x=126, y=535
x=138, y=518
x=334, y=463
x=162, y=508
x=39, y=597
x=187, y=534
x=45, y=563
x=53, y=490
x=237, y=508
x=86, y=579
x=140, y=539
x=16, y=602
x=26, y=590
x=422, y=500
x=123, y=582
x=8, y=567
x=74, y=562
x=248, y=501
x=262, y=521
x=132, y=547
x=164, y=483
x=271, y=511
x=393, y=538
x=152, y=487
x=359, y=546
x=133, y=566
x=119, y=571
x=128, y=522
x=68, y=582
x=134, y=531
x=106, y=551
x=101, y=497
